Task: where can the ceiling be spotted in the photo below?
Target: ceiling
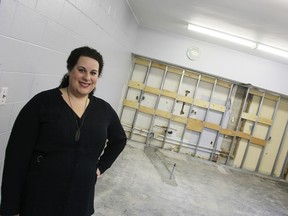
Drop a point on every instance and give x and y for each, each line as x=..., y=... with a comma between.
x=262, y=21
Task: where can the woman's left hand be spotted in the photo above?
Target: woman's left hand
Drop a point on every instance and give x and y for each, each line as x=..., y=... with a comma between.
x=98, y=173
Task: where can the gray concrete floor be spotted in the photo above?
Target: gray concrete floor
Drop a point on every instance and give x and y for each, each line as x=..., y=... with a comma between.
x=139, y=184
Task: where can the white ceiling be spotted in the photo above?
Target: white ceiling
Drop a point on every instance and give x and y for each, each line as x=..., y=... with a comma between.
x=262, y=21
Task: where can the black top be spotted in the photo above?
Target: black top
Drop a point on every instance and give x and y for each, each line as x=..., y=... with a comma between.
x=46, y=172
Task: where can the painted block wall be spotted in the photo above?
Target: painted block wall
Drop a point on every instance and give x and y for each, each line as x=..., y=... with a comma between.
x=36, y=37
x=214, y=60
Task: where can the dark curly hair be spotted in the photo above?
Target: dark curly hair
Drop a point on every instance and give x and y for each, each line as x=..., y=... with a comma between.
x=73, y=59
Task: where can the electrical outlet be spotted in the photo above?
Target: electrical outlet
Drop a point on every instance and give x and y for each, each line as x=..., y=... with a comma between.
x=3, y=95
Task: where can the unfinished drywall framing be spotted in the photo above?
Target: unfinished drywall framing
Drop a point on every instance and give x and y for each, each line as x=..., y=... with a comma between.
x=204, y=116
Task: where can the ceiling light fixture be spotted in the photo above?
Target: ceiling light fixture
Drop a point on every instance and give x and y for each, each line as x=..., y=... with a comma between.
x=272, y=50
x=222, y=35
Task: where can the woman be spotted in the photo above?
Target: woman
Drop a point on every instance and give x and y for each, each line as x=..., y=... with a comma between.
x=53, y=155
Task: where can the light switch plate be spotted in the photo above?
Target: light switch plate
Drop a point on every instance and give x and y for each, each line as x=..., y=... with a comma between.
x=3, y=95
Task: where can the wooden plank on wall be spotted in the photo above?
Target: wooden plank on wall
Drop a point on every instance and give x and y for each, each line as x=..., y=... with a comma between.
x=249, y=116
x=265, y=121
x=141, y=61
x=217, y=107
x=136, y=85
x=227, y=132
x=201, y=103
x=146, y=110
x=195, y=125
x=179, y=119
x=258, y=141
x=243, y=135
x=212, y=126
x=168, y=93
x=152, y=90
x=163, y=114
x=132, y=104
x=158, y=65
x=184, y=99
x=175, y=70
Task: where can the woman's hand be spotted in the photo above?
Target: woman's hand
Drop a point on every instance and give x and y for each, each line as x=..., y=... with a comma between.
x=98, y=173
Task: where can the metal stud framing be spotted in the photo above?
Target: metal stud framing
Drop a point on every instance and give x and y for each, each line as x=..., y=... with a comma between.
x=173, y=106
x=140, y=98
x=206, y=115
x=267, y=135
x=190, y=109
x=238, y=127
x=252, y=130
x=189, y=123
x=221, y=122
x=279, y=149
x=157, y=103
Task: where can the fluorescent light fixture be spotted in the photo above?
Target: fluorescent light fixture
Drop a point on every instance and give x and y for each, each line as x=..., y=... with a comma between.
x=272, y=50
x=222, y=35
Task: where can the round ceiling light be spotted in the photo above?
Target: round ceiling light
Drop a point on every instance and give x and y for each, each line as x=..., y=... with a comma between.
x=193, y=53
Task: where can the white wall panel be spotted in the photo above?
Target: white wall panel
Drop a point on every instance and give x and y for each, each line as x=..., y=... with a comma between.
x=27, y=3
x=5, y=115
x=28, y=25
x=22, y=82
x=7, y=12
x=51, y=9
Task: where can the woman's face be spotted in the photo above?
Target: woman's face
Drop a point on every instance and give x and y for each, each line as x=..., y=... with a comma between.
x=83, y=76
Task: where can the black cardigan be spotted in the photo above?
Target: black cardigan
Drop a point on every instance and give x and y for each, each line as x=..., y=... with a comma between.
x=46, y=172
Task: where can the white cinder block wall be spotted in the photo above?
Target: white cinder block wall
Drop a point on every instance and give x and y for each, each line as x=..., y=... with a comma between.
x=36, y=37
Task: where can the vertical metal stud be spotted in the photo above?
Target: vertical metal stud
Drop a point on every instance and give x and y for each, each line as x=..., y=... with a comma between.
x=206, y=115
x=238, y=127
x=173, y=106
x=127, y=89
x=267, y=135
x=190, y=109
x=285, y=164
x=221, y=122
x=148, y=139
x=140, y=96
x=279, y=150
x=252, y=131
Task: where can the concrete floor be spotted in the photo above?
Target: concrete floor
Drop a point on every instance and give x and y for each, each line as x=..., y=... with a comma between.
x=139, y=184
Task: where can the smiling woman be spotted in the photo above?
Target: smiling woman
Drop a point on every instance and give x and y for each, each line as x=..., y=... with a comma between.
x=51, y=167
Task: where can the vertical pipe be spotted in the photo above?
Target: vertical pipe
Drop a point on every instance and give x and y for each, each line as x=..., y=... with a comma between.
x=238, y=127
x=267, y=136
x=206, y=115
x=252, y=131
